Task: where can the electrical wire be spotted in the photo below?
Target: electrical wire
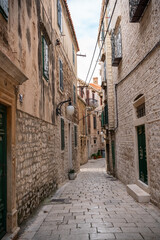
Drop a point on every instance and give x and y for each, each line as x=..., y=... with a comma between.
x=96, y=45
x=103, y=40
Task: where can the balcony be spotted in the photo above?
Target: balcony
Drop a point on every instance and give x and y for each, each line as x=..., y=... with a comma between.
x=91, y=102
x=116, y=43
x=136, y=9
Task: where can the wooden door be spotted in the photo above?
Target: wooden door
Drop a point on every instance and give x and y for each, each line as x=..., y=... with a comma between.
x=143, y=174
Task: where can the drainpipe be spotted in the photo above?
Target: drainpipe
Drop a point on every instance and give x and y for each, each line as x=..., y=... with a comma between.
x=116, y=102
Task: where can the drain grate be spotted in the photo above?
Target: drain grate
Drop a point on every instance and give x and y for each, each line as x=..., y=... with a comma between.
x=60, y=200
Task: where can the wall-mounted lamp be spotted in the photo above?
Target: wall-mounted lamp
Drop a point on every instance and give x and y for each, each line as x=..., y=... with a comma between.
x=70, y=108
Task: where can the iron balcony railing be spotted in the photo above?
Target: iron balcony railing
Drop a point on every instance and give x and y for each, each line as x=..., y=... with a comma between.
x=91, y=102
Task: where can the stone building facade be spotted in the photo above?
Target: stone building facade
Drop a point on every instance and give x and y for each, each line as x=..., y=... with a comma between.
x=133, y=35
x=90, y=117
x=38, y=70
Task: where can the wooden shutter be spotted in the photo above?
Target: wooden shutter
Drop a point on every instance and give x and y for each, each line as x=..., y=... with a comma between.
x=45, y=55
x=94, y=122
x=59, y=14
x=4, y=8
x=62, y=135
x=73, y=53
x=61, y=74
x=106, y=114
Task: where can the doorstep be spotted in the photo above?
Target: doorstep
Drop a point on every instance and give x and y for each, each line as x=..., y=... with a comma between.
x=138, y=193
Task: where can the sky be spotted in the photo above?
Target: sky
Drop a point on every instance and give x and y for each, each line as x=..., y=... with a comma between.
x=85, y=15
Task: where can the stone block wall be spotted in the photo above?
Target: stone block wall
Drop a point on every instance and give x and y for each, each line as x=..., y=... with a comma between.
x=37, y=163
x=138, y=73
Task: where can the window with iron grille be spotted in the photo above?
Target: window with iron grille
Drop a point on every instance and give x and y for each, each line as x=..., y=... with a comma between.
x=4, y=8
x=62, y=135
x=61, y=75
x=75, y=136
x=59, y=15
x=45, y=55
x=141, y=110
x=94, y=122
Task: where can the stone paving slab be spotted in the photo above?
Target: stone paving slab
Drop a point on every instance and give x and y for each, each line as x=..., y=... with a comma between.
x=95, y=206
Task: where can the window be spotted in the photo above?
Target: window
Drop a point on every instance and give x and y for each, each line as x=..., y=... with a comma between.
x=101, y=100
x=141, y=110
x=74, y=94
x=75, y=136
x=104, y=66
x=45, y=55
x=95, y=141
x=102, y=32
x=93, y=95
x=81, y=92
x=59, y=15
x=4, y=8
x=106, y=114
x=94, y=122
x=61, y=75
x=62, y=135
x=102, y=119
x=116, y=42
x=73, y=54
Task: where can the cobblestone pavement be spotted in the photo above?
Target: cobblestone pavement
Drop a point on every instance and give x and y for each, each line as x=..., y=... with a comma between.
x=94, y=206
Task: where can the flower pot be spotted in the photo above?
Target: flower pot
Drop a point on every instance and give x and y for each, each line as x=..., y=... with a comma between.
x=72, y=176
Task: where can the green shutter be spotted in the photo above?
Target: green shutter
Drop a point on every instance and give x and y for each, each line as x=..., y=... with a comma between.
x=106, y=114
x=61, y=74
x=102, y=119
x=59, y=15
x=62, y=135
x=45, y=56
x=73, y=53
x=4, y=8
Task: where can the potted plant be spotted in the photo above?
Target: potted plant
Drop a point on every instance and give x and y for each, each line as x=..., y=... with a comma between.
x=71, y=174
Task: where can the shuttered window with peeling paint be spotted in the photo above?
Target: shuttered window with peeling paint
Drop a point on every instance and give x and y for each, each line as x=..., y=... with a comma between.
x=45, y=54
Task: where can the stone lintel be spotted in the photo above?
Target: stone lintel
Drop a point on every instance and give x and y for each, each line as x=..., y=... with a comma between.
x=10, y=68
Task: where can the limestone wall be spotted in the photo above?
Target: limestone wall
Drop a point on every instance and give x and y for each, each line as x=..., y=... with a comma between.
x=138, y=74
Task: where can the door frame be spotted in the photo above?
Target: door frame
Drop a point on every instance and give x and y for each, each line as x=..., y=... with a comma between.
x=4, y=163
x=8, y=99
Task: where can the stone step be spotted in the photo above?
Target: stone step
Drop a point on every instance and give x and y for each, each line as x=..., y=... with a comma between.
x=138, y=193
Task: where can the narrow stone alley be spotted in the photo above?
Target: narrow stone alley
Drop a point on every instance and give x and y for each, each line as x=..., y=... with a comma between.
x=93, y=206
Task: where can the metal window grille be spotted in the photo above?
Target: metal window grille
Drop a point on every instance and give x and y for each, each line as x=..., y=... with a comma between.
x=141, y=110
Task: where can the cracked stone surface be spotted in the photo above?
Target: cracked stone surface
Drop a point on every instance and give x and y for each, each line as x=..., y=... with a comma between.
x=91, y=207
